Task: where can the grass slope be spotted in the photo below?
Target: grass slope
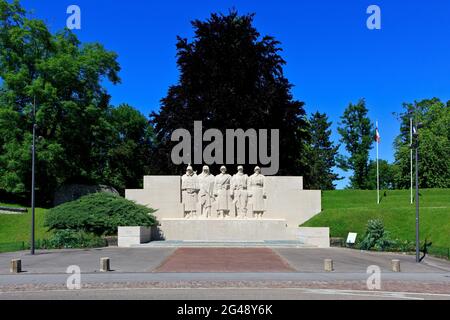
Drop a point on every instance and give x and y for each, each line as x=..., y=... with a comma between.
x=347, y=211
x=343, y=211
x=15, y=229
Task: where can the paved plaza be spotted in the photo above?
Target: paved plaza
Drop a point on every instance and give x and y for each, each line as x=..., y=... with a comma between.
x=142, y=260
x=225, y=260
x=231, y=273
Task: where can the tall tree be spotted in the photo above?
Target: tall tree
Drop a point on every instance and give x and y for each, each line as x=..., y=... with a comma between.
x=75, y=123
x=434, y=144
x=357, y=134
x=129, y=148
x=230, y=78
x=387, y=175
x=323, y=154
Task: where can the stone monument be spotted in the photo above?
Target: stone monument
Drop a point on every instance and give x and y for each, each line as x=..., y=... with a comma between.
x=222, y=186
x=231, y=208
x=189, y=189
x=206, y=194
x=239, y=187
x=256, y=185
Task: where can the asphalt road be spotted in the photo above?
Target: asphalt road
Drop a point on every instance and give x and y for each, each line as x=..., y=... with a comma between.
x=218, y=294
x=174, y=278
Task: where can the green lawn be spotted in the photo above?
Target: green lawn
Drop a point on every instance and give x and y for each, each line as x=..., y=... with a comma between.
x=347, y=211
x=15, y=229
x=343, y=211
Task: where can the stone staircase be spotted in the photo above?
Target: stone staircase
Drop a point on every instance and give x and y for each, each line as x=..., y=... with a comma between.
x=224, y=244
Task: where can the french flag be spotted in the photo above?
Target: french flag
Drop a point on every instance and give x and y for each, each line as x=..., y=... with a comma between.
x=377, y=136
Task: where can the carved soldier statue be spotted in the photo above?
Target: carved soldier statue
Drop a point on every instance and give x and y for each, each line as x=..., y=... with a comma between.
x=222, y=192
x=206, y=193
x=257, y=193
x=239, y=185
x=190, y=189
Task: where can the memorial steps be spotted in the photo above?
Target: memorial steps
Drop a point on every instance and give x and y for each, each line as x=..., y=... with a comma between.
x=223, y=244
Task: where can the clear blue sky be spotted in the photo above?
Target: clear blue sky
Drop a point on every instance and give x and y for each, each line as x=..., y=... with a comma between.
x=332, y=58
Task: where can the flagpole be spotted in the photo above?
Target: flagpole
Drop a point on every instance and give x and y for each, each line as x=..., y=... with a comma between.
x=33, y=161
x=378, y=168
x=411, y=150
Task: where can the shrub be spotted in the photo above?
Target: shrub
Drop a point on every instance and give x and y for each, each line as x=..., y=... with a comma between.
x=376, y=237
x=403, y=246
x=71, y=239
x=100, y=214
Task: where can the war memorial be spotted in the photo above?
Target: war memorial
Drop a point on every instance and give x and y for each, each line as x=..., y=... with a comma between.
x=228, y=208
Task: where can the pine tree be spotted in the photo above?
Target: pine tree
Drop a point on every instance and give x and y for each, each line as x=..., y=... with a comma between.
x=323, y=154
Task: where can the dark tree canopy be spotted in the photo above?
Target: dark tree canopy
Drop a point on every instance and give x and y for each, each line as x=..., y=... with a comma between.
x=323, y=154
x=231, y=77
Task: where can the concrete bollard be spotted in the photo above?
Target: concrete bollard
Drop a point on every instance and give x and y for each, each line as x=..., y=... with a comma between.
x=105, y=265
x=396, y=266
x=16, y=266
x=328, y=265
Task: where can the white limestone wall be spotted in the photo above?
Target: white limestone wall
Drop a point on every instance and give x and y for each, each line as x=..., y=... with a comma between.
x=225, y=230
x=286, y=198
x=162, y=193
x=130, y=236
x=317, y=237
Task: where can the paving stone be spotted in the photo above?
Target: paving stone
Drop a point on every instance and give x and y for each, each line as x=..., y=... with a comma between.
x=225, y=260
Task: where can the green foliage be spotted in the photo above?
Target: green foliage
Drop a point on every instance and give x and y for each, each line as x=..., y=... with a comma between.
x=81, y=137
x=357, y=134
x=404, y=246
x=347, y=211
x=16, y=228
x=71, y=239
x=13, y=246
x=15, y=234
x=376, y=237
x=99, y=213
x=323, y=154
x=434, y=144
x=230, y=74
x=128, y=148
x=387, y=175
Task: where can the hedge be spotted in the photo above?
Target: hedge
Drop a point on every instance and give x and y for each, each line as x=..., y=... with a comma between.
x=100, y=214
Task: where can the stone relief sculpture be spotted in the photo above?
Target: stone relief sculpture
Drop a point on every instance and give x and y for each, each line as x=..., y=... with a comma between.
x=239, y=185
x=257, y=193
x=206, y=194
x=190, y=189
x=188, y=207
x=222, y=192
